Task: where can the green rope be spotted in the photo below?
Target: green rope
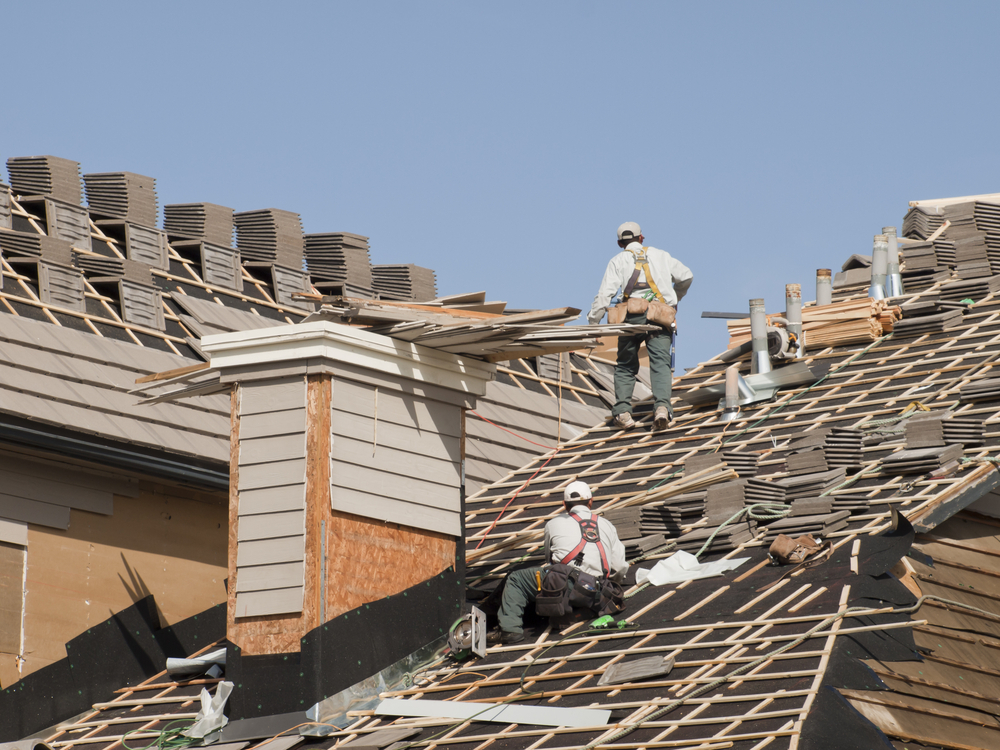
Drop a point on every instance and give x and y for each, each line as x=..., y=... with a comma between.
x=168, y=738
x=769, y=512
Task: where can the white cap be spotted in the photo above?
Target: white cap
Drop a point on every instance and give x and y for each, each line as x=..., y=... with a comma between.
x=577, y=491
x=629, y=230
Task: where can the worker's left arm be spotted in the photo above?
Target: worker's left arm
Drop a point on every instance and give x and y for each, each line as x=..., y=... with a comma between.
x=682, y=277
x=615, y=549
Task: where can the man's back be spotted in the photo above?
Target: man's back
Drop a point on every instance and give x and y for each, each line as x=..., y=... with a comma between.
x=563, y=534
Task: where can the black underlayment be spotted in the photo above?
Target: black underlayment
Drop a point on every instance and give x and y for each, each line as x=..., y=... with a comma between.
x=834, y=724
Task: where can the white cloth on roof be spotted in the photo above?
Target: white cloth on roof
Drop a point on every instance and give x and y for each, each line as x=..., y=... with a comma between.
x=562, y=534
x=671, y=276
x=683, y=566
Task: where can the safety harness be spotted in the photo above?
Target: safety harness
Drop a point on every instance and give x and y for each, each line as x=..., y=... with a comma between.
x=641, y=265
x=589, y=534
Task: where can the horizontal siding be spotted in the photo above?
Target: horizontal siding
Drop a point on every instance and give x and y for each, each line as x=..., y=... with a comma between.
x=272, y=499
x=267, y=577
x=349, y=453
x=400, y=437
x=272, y=448
x=273, y=423
x=267, y=551
x=396, y=487
x=271, y=525
x=361, y=503
x=32, y=511
x=274, y=474
x=429, y=416
x=272, y=395
x=275, y=602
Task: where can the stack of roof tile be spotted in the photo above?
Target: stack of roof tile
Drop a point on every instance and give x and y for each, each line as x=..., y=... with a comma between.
x=404, y=281
x=921, y=324
x=980, y=390
x=339, y=257
x=819, y=525
x=921, y=222
x=124, y=195
x=270, y=235
x=934, y=429
x=836, y=447
x=46, y=175
x=23, y=244
x=728, y=537
x=792, y=487
x=975, y=229
x=5, y=207
x=671, y=515
x=744, y=464
x=921, y=460
x=207, y=220
x=974, y=289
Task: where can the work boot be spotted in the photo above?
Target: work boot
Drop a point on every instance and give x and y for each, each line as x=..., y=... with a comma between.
x=498, y=637
x=662, y=418
x=623, y=421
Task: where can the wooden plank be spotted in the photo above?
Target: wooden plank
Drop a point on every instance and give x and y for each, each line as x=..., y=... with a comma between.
x=274, y=474
x=272, y=525
x=33, y=511
x=272, y=395
x=283, y=422
x=278, y=576
x=272, y=602
x=267, y=551
x=272, y=448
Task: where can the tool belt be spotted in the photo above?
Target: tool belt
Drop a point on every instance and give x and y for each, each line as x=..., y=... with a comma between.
x=659, y=313
x=802, y=552
x=567, y=586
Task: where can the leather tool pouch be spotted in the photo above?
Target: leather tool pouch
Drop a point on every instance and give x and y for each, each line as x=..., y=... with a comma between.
x=661, y=314
x=612, y=598
x=616, y=314
x=788, y=551
x=553, y=599
x=637, y=305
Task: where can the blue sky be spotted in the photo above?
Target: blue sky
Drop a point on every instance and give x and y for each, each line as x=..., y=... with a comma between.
x=502, y=144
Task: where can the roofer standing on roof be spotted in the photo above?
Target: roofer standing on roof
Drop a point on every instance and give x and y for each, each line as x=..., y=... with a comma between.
x=646, y=276
x=587, y=543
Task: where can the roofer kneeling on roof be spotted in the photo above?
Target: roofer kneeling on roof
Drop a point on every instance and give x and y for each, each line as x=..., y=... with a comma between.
x=586, y=562
x=652, y=283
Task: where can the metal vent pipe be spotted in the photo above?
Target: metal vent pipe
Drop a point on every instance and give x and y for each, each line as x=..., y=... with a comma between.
x=732, y=405
x=880, y=262
x=793, y=314
x=760, y=361
x=893, y=278
x=824, y=288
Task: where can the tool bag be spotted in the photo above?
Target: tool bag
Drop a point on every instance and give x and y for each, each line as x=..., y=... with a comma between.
x=566, y=586
x=788, y=551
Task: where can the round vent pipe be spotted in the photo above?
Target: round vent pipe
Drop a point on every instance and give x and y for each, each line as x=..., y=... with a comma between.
x=880, y=263
x=793, y=314
x=893, y=278
x=760, y=361
x=824, y=288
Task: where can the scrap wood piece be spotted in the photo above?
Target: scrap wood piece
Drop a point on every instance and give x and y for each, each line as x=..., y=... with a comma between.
x=637, y=669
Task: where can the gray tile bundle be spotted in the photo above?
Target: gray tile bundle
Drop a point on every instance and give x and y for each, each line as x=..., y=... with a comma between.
x=820, y=525
x=637, y=669
x=744, y=464
x=643, y=545
x=5, y=207
x=920, y=280
x=978, y=390
x=811, y=506
x=974, y=289
x=935, y=429
x=920, y=256
x=339, y=257
x=668, y=516
x=840, y=448
x=625, y=520
x=728, y=537
x=46, y=175
x=122, y=195
x=921, y=324
x=808, y=461
x=975, y=229
x=853, y=277
x=99, y=265
x=220, y=264
x=964, y=431
x=920, y=222
x=29, y=245
x=206, y=220
x=404, y=282
x=790, y=488
x=270, y=235
x=921, y=460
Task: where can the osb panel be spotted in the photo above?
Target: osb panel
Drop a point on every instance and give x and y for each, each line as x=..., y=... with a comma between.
x=369, y=560
x=281, y=634
x=159, y=543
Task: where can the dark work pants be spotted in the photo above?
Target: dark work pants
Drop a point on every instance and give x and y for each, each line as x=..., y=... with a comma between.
x=519, y=590
x=627, y=369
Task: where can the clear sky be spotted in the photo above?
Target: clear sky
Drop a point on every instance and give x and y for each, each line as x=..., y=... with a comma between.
x=501, y=144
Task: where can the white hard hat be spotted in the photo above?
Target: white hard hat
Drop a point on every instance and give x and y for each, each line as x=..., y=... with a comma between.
x=577, y=491
x=629, y=230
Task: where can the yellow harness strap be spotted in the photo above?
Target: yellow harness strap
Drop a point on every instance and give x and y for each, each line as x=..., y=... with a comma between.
x=640, y=263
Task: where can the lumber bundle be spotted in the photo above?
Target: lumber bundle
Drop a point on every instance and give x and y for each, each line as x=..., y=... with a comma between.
x=848, y=322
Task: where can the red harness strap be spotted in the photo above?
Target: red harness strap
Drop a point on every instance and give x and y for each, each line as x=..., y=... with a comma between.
x=589, y=535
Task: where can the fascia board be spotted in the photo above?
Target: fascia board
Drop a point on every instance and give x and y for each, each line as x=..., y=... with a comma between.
x=340, y=343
